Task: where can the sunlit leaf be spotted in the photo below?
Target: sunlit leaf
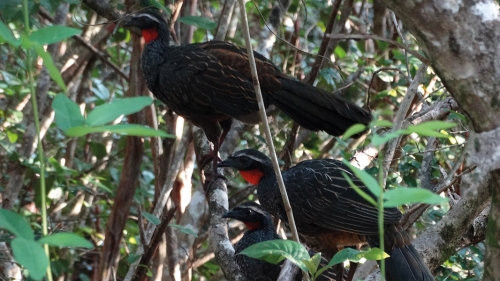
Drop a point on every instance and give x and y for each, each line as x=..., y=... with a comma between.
x=51, y=67
x=378, y=140
x=15, y=224
x=31, y=255
x=122, y=129
x=6, y=35
x=274, y=251
x=370, y=182
x=375, y=254
x=399, y=196
x=354, y=129
x=53, y=34
x=108, y=112
x=67, y=112
x=184, y=229
x=200, y=22
x=431, y=128
x=151, y=218
x=66, y=239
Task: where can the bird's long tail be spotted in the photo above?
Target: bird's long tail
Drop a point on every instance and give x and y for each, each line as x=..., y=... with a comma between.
x=316, y=109
x=404, y=262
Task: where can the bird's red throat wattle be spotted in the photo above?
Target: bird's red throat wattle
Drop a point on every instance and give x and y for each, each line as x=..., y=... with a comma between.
x=150, y=34
x=252, y=225
x=252, y=176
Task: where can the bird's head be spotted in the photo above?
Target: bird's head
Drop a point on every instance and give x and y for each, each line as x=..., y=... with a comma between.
x=251, y=214
x=251, y=164
x=151, y=24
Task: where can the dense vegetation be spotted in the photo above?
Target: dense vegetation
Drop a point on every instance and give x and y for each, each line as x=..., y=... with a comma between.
x=107, y=173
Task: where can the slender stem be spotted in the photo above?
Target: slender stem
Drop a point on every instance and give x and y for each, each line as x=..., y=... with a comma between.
x=41, y=157
x=267, y=131
x=381, y=212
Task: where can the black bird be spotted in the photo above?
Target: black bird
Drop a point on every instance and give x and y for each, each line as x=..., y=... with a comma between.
x=261, y=228
x=329, y=214
x=210, y=83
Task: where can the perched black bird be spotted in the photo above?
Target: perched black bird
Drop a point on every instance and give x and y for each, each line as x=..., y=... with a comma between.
x=260, y=228
x=329, y=214
x=210, y=83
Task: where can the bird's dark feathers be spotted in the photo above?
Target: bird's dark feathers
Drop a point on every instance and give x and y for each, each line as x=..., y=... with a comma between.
x=210, y=82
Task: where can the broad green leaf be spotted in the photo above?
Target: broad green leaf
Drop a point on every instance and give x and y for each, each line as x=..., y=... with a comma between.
x=431, y=128
x=66, y=239
x=399, y=196
x=312, y=263
x=15, y=224
x=274, y=251
x=345, y=254
x=378, y=140
x=49, y=64
x=122, y=129
x=375, y=254
x=6, y=35
x=359, y=190
x=53, y=34
x=200, y=22
x=151, y=218
x=67, y=112
x=366, y=178
x=184, y=229
x=31, y=255
x=383, y=123
x=100, y=185
x=108, y=112
x=354, y=129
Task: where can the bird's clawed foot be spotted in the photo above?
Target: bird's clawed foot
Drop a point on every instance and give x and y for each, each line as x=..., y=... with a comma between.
x=211, y=180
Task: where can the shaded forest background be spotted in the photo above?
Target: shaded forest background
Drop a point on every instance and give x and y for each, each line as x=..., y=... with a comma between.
x=115, y=190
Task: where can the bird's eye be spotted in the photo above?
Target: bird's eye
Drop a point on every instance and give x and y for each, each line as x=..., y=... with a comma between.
x=249, y=212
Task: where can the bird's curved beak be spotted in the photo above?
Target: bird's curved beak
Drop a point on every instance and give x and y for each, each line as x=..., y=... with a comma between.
x=229, y=214
x=127, y=21
x=226, y=163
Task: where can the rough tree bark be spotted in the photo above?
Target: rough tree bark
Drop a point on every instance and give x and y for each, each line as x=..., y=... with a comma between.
x=462, y=41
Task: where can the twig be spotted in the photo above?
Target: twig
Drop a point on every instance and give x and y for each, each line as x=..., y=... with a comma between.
x=150, y=249
x=398, y=119
x=423, y=59
x=263, y=116
x=395, y=21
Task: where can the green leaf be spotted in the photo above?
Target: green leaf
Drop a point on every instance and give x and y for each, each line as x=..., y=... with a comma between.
x=200, y=22
x=378, y=140
x=359, y=190
x=399, y=196
x=49, y=64
x=15, y=224
x=52, y=34
x=345, y=254
x=383, y=123
x=274, y=251
x=31, y=255
x=431, y=128
x=151, y=218
x=312, y=263
x=354, y=129
x=184, y=229
x=122, y=129
x=370, y=182
x=108, y=112
x=67, y=112
x=375, y=254
x=6, y=35
x=66, y=239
